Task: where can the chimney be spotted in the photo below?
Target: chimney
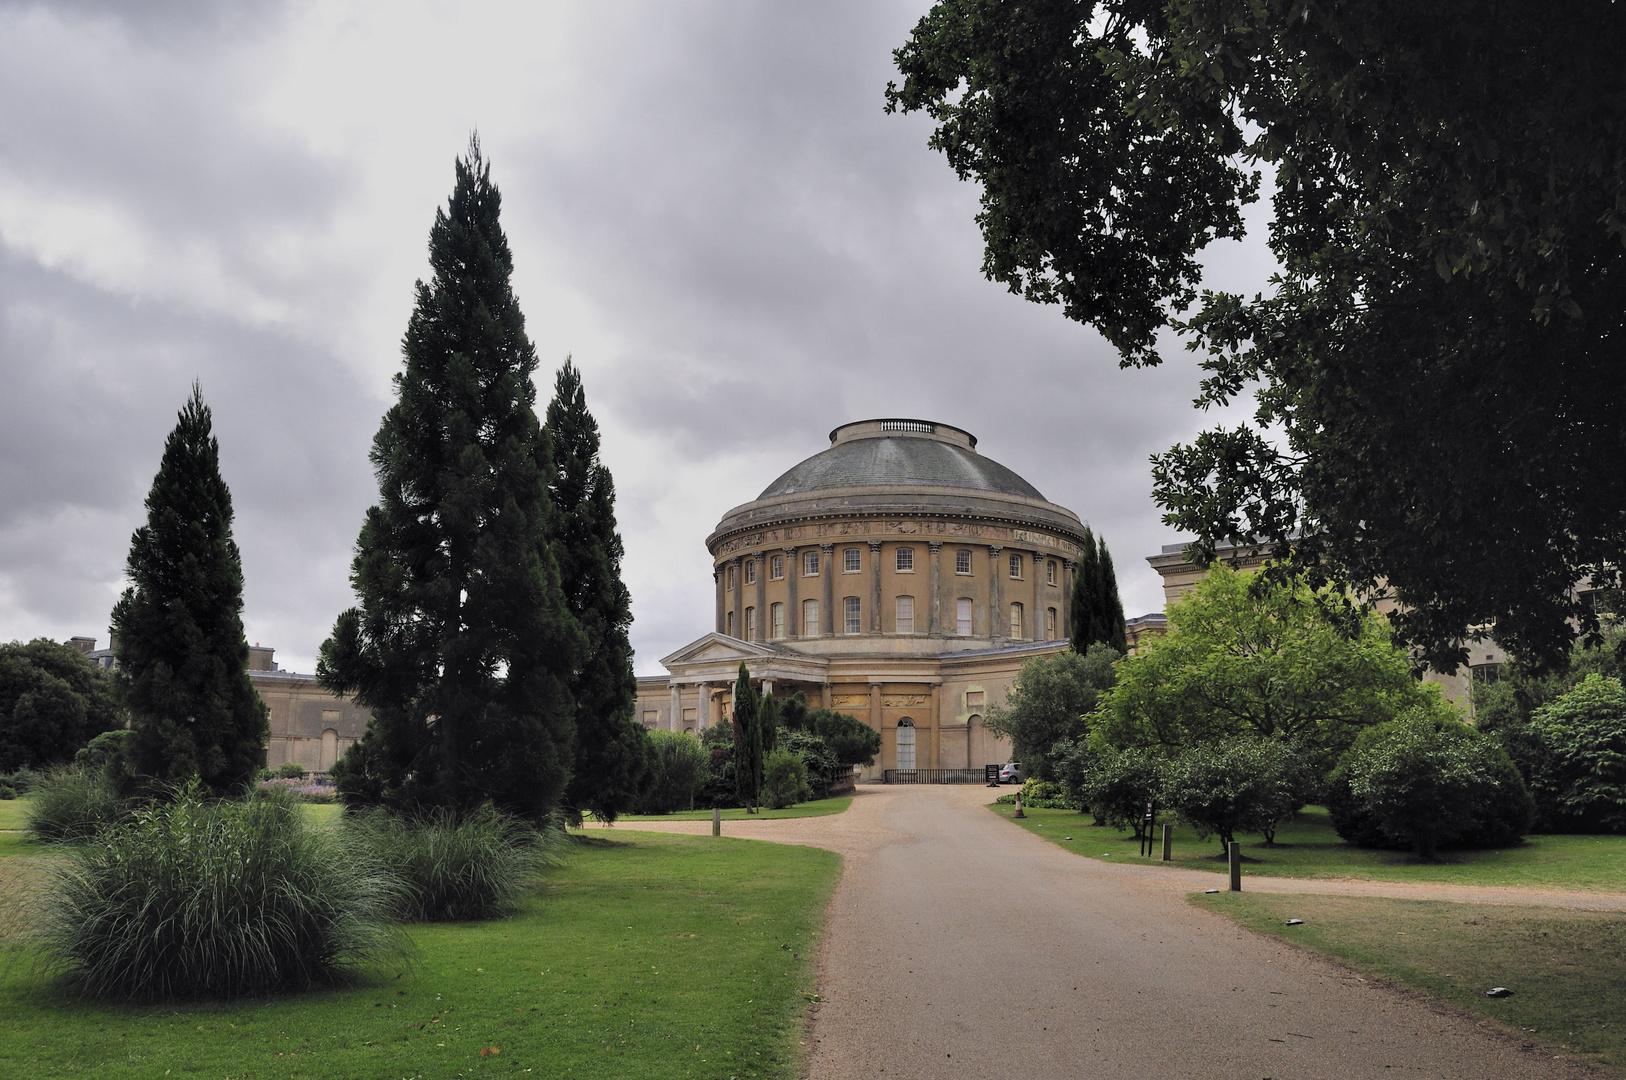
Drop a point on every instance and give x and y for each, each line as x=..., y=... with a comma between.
x=85, y=645
x=259, y=658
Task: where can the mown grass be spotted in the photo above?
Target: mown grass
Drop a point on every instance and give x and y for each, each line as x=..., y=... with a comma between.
x=644, y=956
x=13, y=814
x=1567, y=969
x=816, y=808
x=1309, y=848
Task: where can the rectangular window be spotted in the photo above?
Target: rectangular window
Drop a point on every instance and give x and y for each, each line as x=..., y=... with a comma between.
x=810, y=564
x=975, y=699
x=906, y=615
x=850, y=615
x=1016, y=567
x=849, y=561
x=750, y=571
x=1050, y=624
x=776, y=568
x=733, y=579
x=750, y=624
x=1016, y=622
x=731, y=625
x=1050, y=572
x=906, y=560
x=776, y=624
x=810, y=618
x=962, y=562
x=962, y=615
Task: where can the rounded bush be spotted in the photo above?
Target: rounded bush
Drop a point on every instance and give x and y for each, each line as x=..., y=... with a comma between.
x=784, y=780
x=1116, y=784
x=677, y=771
x=454, y=868
x=215, y=899
x=1240, y=784
x=1581, y=777
x=72, y=804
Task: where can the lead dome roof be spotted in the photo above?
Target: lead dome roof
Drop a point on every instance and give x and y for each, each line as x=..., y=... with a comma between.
x=898, y=452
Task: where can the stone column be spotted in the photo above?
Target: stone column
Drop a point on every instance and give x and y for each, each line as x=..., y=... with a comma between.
x=937, y=727
x=827, y=570
x=997, y=624
x=875, y=714
x=935, y=626
x=793, y=606
x=675, y=717
x=1038, y=596
x=826, y=695
x=738, y=565
x=762, y=595
x=767, y=687
x=702, y=707
x=875, y=587
x=1064, y=609
x=717, y=576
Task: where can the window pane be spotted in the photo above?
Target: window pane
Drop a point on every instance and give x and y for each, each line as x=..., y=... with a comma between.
x=778, y=624
x=750, y=571
x=1016, y=566
x=962, y=562
x=732, y=579
x=962, y=615
x=810, y=618
x=810, y=564
x=731, y=625
x=750, y=624
x=850, y=613
x=1050, y=572
x=1050, y=624
x=777, y=567
x=906, y=558
x=906, y=614
x=1016, y=620
x=850, y=563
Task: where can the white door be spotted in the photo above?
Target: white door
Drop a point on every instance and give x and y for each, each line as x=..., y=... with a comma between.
x=906, y=744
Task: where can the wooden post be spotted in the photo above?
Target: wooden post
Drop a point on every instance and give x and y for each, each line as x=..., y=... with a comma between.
x=1234, y=850
x=716, y=821
x=1168, y=843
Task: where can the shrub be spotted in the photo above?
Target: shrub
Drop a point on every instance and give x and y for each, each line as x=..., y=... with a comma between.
x=22, y=781
x=1581, y=777
x=719, y=789
x=852, y=741
x=1117, y=784
x=72, y=804
x=7, y=792
x=1240, y=784
x=215, y=899
x=104, y=751
x=677, y=771
x=454, y=868
x=1045, y=794
x=824, y=770
x=784, y=780
x=1425, y=781
x=290, y=770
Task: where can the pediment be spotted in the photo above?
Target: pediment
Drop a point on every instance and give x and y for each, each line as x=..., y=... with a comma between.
x=720, y=648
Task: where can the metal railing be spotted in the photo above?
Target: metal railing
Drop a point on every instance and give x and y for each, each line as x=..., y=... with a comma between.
x=933, y=776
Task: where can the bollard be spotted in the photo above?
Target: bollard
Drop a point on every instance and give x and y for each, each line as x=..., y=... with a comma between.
x=716, y=821
x=1168, y=843
x=1019, y=806
x=1234, y=850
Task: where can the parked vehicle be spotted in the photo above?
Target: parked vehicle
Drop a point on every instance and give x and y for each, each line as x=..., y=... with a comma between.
x=1011, y=773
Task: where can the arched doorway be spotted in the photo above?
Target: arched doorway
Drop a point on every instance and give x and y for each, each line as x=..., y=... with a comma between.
x=906, y=744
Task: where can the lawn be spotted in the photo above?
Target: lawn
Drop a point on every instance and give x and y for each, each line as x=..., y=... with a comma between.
x=1567, y=969
x=1310, y=848
x=13, y=814
x=643, y=956
x=816, y=808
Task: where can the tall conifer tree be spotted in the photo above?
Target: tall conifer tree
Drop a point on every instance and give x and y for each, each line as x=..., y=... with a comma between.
x=178, y=628
x=611, y=747
x=462, y=644
x=1096, y=613
x=747, y=740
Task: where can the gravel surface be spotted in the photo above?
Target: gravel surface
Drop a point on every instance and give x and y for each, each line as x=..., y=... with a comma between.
x=958, y=945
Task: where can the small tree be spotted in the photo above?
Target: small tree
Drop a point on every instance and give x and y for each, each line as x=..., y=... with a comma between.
x=747, y=742
x=784, y=780
x=1116, y=786
x=1047, y=702
x=182, y=658
x=52, y=702
x=1096, y=613
x=1582, y=776
x=677, y=772
x=1240, y=784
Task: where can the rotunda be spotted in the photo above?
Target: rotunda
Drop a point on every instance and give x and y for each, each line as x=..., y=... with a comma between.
x=898, y=575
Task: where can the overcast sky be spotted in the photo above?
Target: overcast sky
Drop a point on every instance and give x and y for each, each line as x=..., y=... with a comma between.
x=707, y=208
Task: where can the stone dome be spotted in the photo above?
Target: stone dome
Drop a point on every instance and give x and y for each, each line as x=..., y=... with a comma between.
x=897, y=453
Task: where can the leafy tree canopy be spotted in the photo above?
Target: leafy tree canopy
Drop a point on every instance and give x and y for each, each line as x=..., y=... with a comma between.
x=1583, y=773
x=53, y=701
x=1439, y=355
x=1245, y=656
x=1047, y=702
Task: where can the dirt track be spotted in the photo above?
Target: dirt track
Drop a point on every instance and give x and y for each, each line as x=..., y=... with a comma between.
x=959, y=945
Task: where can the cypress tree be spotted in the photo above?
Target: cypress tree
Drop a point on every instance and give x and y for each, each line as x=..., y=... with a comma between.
x=611, y=746
x=1097, y=614
x=747, y=741
x=178, y=628
x=461, y=644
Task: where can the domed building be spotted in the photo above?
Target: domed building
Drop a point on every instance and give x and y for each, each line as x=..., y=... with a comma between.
x=899, y=576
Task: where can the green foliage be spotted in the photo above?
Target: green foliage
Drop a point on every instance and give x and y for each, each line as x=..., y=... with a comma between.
x=611, y=751
x=104, y=751
x=461, y=644
x=1248, y=656
x=852, y=741
x=1582, y=774
x=1427, y=780
x=290, y=770
x=182, y=658
x=1116, y=784
x=72, y=803
x=1096, y=613
x=768, y=722
x=677, y=772
x=1047, y=702
x=824, y=772
x=1438, y=354
x=748, y=753
x=1238, y=784
x=453, y=867
x=7, y=792
x=52, y=702
x=1044, y=793
x=221, y=899
x=784, y=780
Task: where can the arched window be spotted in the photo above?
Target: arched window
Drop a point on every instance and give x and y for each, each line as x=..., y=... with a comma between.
x=905, y=615
x=906, y=743
x=776, y=622
x=1016, y=622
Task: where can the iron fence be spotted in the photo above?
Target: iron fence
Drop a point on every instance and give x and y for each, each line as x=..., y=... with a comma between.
x=934, y=776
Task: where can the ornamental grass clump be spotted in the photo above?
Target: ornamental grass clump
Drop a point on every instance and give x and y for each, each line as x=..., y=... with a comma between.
x=72, y=804
x=456, y=868
x=195, y=898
